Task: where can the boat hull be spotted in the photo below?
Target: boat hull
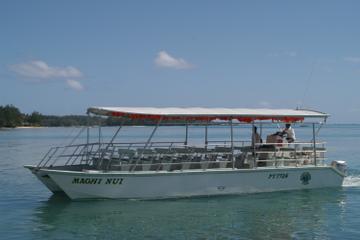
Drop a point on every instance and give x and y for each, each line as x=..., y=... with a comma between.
x=44, y=178
x=154, y=185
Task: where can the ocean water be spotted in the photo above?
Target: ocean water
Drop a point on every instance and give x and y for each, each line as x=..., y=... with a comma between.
x=29, y=211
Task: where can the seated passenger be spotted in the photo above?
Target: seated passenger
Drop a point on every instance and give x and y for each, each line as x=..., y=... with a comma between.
x=275, y=139
x=289, y=132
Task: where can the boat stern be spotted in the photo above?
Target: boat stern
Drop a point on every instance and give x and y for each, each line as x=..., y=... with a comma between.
x=340, y=166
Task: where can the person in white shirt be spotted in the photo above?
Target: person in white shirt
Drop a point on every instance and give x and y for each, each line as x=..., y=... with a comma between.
x=289, y=132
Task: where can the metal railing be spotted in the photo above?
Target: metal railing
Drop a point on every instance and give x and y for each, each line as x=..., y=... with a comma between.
x=289, y=154
x=170, y=156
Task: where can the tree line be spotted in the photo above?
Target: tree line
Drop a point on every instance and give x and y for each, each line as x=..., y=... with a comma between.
x=11, y=116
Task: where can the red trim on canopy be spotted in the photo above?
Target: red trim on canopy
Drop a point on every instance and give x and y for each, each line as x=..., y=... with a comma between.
x=204, y=118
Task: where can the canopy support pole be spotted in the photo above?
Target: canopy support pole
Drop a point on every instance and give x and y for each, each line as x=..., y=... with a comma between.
x=314, y=144
x=152, y=133
x=110, y=143
x=318, y=130
x=206, y=133
x=99, y=132
x=99, y=139
x=146, y=144
x=87, y=137
x=232, y=144
x=117, y=132
x=186, y=134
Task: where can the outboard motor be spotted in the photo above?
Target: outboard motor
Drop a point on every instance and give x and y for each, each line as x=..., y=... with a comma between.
x=340, y=165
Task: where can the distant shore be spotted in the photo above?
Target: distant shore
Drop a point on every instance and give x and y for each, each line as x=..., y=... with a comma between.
x=26, y=127
x=22, y=127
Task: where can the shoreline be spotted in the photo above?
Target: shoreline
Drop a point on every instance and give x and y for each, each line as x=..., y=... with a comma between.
x=20, y=127
x=27, y=127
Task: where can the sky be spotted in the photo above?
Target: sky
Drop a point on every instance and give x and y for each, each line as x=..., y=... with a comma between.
x=61, y=57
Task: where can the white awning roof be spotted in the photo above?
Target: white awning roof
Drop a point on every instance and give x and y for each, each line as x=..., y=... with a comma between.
x=197, y=113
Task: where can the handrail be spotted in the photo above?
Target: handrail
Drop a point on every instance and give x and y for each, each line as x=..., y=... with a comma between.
x=293, y=143
x=74, y=154
x=51, y=155
x=48, y=152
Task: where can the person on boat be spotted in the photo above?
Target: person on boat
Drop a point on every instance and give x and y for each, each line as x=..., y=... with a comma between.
x=255, y=138
x=289, y=132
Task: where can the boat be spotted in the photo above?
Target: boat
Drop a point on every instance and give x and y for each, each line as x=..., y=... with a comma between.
x=174, y=169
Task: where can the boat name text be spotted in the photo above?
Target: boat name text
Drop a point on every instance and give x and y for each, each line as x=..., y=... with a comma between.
x=112, y=181
x=277, y=175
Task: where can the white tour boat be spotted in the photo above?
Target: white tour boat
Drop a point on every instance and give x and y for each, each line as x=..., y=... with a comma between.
x=150, y=169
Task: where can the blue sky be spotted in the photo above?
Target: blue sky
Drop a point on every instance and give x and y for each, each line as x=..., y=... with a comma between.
x=60, y=57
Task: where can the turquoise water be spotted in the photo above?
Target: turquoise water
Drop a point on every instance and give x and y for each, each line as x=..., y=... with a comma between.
x=29, y=211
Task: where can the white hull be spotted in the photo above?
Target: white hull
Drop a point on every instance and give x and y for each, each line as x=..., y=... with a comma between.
x=152, y=185
x=44, y=178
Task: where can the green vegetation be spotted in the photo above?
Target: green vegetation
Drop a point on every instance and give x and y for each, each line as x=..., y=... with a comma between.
x=10, y=117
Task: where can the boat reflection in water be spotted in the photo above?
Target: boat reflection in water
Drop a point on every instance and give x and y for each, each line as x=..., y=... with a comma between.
x=278, y=215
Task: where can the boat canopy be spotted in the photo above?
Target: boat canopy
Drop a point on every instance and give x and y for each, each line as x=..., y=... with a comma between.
x=208, y=114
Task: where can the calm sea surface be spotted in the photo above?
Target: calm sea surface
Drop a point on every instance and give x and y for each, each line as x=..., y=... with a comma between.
x=29, y=211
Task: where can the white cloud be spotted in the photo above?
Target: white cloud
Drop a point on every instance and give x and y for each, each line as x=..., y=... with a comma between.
x=38, y=71
x=265, y=104
x=73, y=84
x=352, y=59
x=291, y=53
x=286, y=54
x=274, y=54
x=164, y=59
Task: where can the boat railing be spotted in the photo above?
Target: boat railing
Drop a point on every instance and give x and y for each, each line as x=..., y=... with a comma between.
x=228, y=142
x=289, y=154
x=169, y=156
x=71, y=154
